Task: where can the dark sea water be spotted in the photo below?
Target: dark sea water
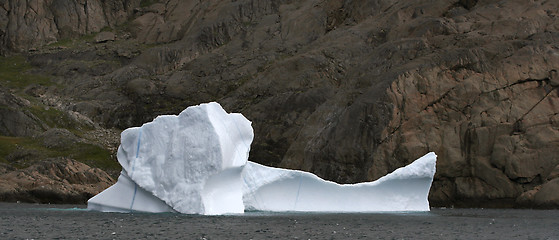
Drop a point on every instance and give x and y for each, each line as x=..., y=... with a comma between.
x=33, y=221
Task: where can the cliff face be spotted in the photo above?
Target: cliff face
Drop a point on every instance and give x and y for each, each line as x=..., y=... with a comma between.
x=349, y=90
x=28, y=24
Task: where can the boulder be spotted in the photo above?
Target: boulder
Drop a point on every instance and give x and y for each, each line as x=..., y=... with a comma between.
x=15, y=120
x=57, y=138
x=104, y=37
x=548, y=195
x=554, y=173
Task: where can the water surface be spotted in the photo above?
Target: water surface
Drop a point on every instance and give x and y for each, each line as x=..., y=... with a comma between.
x=40, y=221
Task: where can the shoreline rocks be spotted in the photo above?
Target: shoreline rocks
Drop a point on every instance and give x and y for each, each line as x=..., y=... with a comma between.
x=53, y=181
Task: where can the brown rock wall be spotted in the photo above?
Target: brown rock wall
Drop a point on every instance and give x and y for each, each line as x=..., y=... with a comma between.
x=28, y=24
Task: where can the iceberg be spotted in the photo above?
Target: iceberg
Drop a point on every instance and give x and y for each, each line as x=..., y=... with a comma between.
x=191, y=162
x=197, y=163
x=274, y=189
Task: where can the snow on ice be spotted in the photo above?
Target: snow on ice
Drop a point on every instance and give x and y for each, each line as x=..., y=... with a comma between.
x=196, y=163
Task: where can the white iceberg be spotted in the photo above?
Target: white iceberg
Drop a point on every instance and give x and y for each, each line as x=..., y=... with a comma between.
x=275, y=189
x=192, y=162
x=196, y=163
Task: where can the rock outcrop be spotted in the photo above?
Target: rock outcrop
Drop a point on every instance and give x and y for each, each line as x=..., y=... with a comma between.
x=27, y=24
x=53, y=181
x=15, y=121
x=349, y=90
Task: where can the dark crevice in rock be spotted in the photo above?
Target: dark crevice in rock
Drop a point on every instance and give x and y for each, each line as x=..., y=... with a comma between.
x=439, y=100
x=390, y=135
x=519, y=82
x=467, y=4
x=519, y=120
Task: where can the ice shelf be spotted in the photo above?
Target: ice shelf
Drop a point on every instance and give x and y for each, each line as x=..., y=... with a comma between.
x=196, y=163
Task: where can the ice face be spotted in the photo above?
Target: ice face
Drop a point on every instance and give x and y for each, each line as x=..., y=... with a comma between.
x=196, y=163
x=184, y=160
x=274, y=189
x=126, y=196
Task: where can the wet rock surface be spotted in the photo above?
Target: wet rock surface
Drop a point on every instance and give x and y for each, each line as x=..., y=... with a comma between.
x=349, y=90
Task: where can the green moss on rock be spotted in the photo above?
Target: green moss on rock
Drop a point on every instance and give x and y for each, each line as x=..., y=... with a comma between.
x=21, y=152
x=13, y=73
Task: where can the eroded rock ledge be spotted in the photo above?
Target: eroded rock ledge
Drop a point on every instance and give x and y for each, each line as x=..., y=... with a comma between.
x=52, y=181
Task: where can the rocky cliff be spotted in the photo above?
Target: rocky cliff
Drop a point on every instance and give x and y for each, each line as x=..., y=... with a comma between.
x=52, y=181
x=349, y=90
x=28, y=24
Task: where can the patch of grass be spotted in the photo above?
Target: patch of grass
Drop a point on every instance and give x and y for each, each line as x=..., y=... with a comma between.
x=26, y=151
x=7, y=146
x=62, y=42
x=90, y=154
x=74, y=42
x=106, y=29
x=146, y=46
x=147, y=3
x=99, y=62
x=12, y=73
x=55, y=118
